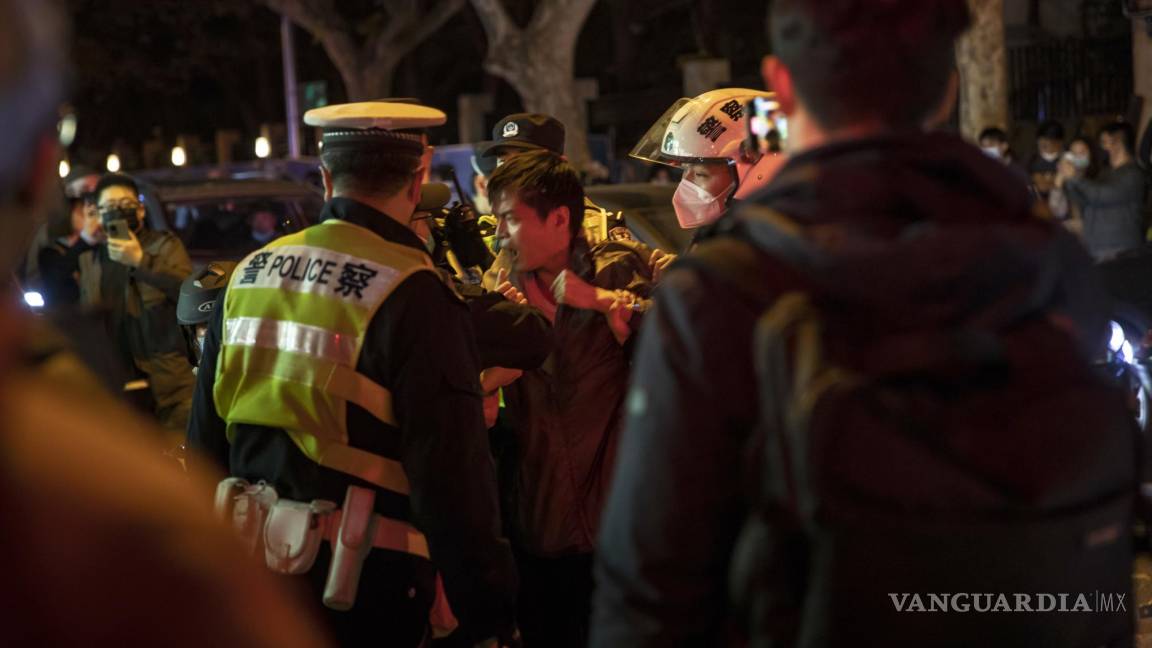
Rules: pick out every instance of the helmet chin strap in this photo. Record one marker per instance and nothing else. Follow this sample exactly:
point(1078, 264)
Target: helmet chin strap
point(735, 183)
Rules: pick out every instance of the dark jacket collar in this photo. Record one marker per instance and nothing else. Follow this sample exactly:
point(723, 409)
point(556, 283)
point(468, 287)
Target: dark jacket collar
point(357, 213)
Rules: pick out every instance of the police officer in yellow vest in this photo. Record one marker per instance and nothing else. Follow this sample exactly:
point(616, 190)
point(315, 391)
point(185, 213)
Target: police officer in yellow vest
point(339, 387)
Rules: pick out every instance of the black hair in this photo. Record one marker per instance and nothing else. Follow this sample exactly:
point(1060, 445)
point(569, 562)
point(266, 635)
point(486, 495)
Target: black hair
point(860, 60)
point(365, 170)
point(116, 180)
point(1093, 169)
point(993, 133)
point(1125, 131)
point(543, 181)
point(1050, 129)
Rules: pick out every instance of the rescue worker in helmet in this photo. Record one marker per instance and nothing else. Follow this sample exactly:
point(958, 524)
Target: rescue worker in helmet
point(707, 138)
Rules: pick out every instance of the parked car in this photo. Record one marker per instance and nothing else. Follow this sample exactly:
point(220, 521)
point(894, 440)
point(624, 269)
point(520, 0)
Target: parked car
point(226, 219)
point(647, 210)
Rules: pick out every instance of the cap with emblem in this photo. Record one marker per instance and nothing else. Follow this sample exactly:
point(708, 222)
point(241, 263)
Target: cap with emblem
point(526, 131)
point(198, 293)
point(386, 125)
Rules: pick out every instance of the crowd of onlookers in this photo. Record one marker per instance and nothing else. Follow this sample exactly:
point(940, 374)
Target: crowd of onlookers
point(1093, 184)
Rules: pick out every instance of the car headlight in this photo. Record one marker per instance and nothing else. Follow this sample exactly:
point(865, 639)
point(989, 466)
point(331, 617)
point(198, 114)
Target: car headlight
point(1127, 353)
point(1117, 340)
point(1119, 346)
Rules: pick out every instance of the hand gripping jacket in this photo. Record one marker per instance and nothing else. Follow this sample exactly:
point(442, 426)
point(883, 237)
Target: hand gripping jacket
point(295, 317)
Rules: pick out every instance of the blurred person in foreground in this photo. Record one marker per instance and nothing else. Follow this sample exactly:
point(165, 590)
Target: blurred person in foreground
point(103, 543)
point(876, 385)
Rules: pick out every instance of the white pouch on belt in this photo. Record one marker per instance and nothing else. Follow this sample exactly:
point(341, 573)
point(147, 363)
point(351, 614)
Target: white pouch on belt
point(354, 539)
point(226, 493)
point(293, 533)
point(244, 507)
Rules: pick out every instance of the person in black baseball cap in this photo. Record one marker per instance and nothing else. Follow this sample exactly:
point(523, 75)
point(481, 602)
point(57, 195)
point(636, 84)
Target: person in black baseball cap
point(198, 302)
point(525, 132)
point(522, 132)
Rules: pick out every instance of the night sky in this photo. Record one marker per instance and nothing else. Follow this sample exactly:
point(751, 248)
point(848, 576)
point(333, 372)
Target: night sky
point(164, 68)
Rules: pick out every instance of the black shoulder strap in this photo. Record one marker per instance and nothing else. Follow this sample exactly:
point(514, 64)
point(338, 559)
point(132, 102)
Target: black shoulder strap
point(732, 260)
point(735, 261)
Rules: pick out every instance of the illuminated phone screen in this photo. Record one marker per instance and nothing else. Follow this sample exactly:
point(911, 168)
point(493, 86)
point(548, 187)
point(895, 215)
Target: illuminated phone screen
point(768, 127)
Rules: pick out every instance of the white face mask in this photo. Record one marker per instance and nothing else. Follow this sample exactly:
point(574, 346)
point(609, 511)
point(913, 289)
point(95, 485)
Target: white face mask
point(263, 237)
point(1081, 162)
point(1050, 157)
point(695, 206)
point(991, 151)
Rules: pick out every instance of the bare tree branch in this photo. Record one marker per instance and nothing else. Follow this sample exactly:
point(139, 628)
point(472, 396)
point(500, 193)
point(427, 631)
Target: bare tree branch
point(538, 61)
point(367, 64)
point(320, 18)
point(497, 23)
point(556, 17)
point(316, 16)
point(408, 28)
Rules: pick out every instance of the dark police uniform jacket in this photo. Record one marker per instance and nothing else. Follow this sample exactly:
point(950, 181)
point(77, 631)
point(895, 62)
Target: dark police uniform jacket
point(420, 346)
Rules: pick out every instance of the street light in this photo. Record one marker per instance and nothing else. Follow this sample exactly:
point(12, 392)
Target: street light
point(64, 169)
point(179, 157)
point(113, 163)
point(263, 147)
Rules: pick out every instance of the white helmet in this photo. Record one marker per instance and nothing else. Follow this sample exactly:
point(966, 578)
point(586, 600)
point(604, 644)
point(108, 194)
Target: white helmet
point(712, 127)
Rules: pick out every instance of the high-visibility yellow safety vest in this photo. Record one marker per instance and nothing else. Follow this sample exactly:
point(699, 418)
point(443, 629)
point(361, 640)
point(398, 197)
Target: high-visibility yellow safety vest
point(295, 316)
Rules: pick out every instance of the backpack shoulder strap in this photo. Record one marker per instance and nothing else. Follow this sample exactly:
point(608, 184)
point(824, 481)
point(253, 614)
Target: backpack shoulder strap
point(730, 254)
point(735, 261)
point(787, 355)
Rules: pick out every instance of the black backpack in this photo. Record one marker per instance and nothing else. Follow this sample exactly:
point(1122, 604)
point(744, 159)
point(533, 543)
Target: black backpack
point(900, 485)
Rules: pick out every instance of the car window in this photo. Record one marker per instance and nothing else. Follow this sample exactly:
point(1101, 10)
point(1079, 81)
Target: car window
point(231, 228)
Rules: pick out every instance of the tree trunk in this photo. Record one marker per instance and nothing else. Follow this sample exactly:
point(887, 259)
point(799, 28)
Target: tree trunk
point(1142, 74)
point(982, 58)
point(367, 66)
point(368, 82)
point(538, 61)
point(623, 42)
point(544, 80)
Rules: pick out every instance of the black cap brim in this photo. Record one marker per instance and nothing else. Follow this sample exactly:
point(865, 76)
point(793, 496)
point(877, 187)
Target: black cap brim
point(492, 149)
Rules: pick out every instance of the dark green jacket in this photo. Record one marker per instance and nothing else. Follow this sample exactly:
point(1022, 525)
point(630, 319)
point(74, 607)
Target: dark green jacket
point(141, 307)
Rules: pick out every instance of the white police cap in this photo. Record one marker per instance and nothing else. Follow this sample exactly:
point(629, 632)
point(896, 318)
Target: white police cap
point(386, 115)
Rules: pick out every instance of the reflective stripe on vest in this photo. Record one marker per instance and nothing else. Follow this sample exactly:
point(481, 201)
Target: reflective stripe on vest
point(295, 317)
